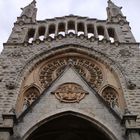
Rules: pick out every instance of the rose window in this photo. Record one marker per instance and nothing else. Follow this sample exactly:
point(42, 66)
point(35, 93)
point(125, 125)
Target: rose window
point(110, 96)
point(30, 96)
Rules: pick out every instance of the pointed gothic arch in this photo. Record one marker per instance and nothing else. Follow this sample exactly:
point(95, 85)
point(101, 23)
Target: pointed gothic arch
point(69, 51)
point(28, 96)
point(113, 97)
point(71, 125)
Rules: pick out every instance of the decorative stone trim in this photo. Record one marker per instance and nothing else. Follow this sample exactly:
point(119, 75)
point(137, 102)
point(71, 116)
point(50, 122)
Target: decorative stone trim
point(86, 68)
point(69, 93)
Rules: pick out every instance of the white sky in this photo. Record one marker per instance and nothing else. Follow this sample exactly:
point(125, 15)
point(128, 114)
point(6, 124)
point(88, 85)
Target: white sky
point(10, 10)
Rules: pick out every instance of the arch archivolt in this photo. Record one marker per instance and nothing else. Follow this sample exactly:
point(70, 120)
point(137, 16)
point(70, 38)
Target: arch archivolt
point(97, 70)
point(96, 122)
point(87, 68)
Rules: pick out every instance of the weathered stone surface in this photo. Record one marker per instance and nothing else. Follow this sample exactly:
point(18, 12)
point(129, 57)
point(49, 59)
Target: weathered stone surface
point(21, 60)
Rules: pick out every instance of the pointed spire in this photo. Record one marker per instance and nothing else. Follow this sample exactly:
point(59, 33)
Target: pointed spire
point(113, 11)
point(30, 11)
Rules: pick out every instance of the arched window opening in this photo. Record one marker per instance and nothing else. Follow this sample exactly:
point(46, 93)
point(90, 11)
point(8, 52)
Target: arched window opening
point(110, 95)
point(41, 33)
point(61, 29)
point(71, 27)
point(100, 31)
point(30, 96)
point(111, 33)
point(90, 30)
point(30, 37)
point(80, 29)
point(52, 30)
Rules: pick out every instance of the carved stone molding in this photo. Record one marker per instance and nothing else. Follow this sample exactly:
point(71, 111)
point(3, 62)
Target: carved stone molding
point(86, 68)
point(69, 93)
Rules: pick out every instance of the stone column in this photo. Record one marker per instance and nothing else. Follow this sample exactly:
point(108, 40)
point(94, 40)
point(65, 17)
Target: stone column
point(46, 31)
point(4, 135)
point(106, 34)
point(132, 131)
point(133, 135)
point(6, 130)
point(66, 28)
point(85, 30)
point(56, 29)
point(76, 32)
point(25, 35)
point(36, 35)
point(95, 31)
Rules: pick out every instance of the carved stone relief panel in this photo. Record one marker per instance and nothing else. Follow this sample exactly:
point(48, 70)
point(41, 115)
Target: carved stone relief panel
point(89, 70)
point(69, 93)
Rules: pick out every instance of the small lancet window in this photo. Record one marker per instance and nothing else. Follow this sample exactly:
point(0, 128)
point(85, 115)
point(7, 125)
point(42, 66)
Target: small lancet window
point(52, 30)
point(30, 36)
point(80, 29)
point(90, 30)
point(110, 95)
point(111, 33)
point(61, 29)
point(100, 30)
point(30, 96)
point(71, 27)
point(41, 33)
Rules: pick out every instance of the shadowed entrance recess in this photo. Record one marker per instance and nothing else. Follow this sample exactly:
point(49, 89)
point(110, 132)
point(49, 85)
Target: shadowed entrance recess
point(68, 127)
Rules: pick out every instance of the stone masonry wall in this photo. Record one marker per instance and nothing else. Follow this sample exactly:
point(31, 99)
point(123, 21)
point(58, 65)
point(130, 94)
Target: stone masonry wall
point(124, 58)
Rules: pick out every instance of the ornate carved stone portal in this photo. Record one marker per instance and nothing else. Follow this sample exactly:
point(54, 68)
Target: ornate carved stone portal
point(69, 93)
point(88, 69)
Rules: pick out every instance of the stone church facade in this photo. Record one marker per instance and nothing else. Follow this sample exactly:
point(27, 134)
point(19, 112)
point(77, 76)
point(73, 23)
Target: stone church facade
point(71, 77)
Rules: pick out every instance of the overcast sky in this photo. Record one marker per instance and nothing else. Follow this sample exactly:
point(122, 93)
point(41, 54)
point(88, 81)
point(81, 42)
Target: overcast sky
point(10, 10)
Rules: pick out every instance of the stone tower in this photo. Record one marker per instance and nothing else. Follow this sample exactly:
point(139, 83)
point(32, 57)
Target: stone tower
point(71, 77)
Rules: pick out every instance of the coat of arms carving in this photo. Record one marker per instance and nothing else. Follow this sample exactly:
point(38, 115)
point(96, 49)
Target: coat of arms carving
point(70, 93)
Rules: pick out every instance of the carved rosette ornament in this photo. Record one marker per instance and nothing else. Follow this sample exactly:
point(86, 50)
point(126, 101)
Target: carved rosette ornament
point(89, 70)
point(69, 93)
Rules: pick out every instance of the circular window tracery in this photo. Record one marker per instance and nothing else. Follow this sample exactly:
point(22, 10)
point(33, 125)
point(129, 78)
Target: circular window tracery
point(86, 68)
point(30, 96)
point(110, 95)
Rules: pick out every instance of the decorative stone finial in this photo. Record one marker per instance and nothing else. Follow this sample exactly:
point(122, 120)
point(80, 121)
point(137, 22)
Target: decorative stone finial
point(114, 12)
point(70, 62)
point(30, 11)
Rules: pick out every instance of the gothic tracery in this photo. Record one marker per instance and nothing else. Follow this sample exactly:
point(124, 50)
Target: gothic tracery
point(86, 68)
point(110, 95)
point(30, 96)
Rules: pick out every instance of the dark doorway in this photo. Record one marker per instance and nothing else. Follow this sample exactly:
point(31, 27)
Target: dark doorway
point(68, 127)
